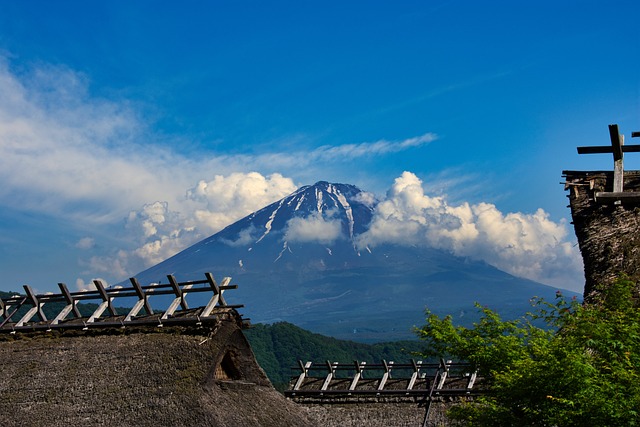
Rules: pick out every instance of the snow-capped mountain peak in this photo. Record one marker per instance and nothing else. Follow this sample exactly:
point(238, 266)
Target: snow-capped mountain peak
point(319, 209)
point(296, 260)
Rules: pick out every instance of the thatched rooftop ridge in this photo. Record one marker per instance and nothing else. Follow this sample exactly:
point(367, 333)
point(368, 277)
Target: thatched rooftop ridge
point(174, 376)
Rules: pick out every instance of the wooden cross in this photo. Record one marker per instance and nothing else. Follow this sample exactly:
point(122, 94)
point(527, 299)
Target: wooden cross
point(618, 149)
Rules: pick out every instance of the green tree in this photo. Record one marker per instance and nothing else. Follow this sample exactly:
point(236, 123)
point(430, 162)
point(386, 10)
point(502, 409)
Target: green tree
point(564, 364)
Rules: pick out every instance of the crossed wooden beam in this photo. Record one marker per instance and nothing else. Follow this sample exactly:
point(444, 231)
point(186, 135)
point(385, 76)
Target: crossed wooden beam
point(414, 379)
point(617, 147)
point(10, 307)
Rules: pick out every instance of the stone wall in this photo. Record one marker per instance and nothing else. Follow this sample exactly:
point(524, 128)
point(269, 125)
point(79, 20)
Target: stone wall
point(608, 234)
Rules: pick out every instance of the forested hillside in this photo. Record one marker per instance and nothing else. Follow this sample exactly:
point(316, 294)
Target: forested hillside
point(279, 346)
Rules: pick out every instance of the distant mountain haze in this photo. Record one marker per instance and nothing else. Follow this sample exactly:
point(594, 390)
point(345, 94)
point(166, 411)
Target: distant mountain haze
point(305, 259)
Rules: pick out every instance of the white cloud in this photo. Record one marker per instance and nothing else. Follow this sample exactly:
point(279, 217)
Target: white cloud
point(245, 237)
point(351, 151)
point(58, 147)
point(67, 154)
point(158, 232)
point(72, 155)
point(226, 199)
point(314, 228)
point(85, 243)
point(113, 265)
point(526, 245)
point(366, 198)
point(83, 286)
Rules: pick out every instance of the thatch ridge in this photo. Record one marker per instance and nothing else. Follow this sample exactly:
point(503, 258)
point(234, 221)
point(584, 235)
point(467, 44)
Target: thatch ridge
point(175, 377)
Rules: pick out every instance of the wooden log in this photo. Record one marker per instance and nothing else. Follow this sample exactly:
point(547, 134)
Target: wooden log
point(217, 297)
point(332, 369)
point(69, 299)
point(358, 374)
point(624, 197)
point(305, 369)
point(603, 149)
point(416, 372)
point(37, 308)
point(142, 295)
point(386, 375)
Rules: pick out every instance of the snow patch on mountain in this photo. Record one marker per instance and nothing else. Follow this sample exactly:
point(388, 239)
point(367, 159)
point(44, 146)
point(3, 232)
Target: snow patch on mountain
point(285, 247)
point(319, 200)
point(348, 212)
point(267, 226)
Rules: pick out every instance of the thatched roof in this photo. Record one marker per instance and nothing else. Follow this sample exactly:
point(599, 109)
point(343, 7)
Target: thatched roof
point(124, 377)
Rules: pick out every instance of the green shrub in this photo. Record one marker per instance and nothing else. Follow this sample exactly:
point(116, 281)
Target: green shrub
point(565, 364)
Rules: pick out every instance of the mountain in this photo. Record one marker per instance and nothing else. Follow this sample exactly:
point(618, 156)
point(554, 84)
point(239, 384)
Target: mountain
point(297, 260)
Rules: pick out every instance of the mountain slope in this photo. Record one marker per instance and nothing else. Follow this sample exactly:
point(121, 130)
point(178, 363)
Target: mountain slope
point(279, 346)
point(297, 260)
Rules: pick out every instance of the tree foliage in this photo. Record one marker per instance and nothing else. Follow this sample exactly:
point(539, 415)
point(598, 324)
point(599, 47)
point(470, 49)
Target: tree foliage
point(563, 364)
point(279, 346)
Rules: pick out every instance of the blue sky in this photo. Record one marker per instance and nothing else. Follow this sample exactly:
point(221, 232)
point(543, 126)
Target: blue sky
point(129, 130)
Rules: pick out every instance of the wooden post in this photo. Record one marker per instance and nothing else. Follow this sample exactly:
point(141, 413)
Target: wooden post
point(472, 380)
point(106, 303)
point(180, 297)
point(4, 309)
point(617, 195)
point(217, 294)
point(305, 369)
point(143, 301)
point(416, 373)
point(386, 375)
point(432, 389)
point(37, 308)
point(443, 376)
point(71, 306)
point(141, 294)
point(179, 293)
point(327, 380)
point(617, 141)
point(15, 310)
point(358, 375)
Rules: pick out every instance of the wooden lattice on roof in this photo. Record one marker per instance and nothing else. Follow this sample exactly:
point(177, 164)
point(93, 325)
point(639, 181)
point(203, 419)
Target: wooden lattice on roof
point(13, 317)
point(387, 378)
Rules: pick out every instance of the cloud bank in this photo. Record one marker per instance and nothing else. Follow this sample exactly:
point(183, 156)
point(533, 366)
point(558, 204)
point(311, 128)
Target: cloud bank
point(224, 200)
point(314, 228)
point(525, 245)
point(66, 153)
point(72, 155)
point(209, 207)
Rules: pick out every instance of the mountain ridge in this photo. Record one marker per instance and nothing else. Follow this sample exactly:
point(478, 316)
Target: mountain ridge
point(299, 260)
